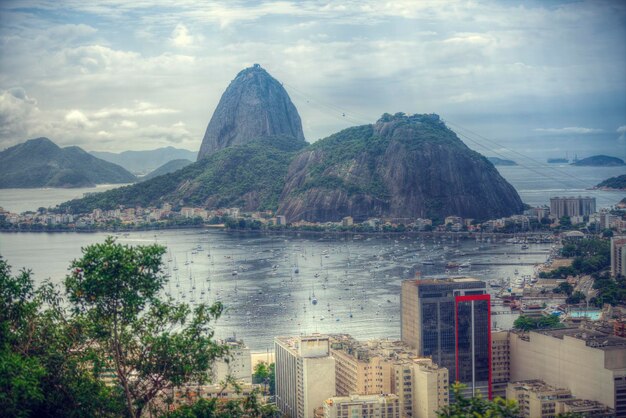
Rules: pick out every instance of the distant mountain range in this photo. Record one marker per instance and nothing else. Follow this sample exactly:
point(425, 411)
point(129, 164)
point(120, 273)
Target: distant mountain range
point(500, 161)
point(41, 163)
point(600, 161)
point(141, 162)
point(254, 156)
point(168, 167)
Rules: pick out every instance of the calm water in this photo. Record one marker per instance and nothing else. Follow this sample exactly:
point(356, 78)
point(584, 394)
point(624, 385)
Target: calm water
point(267, 297)
point(21, 200)
point(536, 184)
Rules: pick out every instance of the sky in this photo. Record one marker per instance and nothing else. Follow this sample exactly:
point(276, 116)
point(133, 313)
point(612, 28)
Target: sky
point(539, 79)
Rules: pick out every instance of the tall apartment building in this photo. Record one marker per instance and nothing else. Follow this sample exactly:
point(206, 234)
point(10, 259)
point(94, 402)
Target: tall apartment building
point(305, 374)
point(422, 386)
point(362, 406)
point(618, 255)
point(500, 362)
point(590, 363)
point(572, 206)
point(237, 364)
point(365, 368)
point(449, 321)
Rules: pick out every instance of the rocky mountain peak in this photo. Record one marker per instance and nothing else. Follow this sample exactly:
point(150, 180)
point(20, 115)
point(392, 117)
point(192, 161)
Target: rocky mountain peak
point(254, 105)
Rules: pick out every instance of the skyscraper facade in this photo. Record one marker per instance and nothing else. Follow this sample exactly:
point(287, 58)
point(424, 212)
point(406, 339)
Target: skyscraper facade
point(449, 321)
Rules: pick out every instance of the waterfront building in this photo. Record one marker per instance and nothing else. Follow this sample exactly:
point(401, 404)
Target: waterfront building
point(237, 364)
point(590, 363)
point(305, 374)
point(618, 255)
point(281, 220)
point(572, 206)
point(362, 406)
point(449, 321)
point(347, 221)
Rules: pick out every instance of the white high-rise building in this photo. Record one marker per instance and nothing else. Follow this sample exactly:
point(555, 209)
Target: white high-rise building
point(237, 364)
point(305, 374)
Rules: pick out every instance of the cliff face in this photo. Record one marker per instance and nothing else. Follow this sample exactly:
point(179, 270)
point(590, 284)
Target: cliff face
point(401, 167)
point(254, 105)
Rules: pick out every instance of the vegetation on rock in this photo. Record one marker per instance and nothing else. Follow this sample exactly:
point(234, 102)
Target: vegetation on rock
point(615, 183)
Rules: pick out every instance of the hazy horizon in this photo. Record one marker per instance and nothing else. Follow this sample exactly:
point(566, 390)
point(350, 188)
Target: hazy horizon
point(541, 80)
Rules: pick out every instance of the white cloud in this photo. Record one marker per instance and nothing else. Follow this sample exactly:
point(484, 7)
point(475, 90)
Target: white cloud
point(181, 37)
point(17, 113)
point(569, 130)
point(140, 108)
point(78, 119)
point(622, 131)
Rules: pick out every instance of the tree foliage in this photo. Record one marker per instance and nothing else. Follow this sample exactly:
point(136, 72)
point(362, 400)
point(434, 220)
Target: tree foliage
point(527, 323)
point(113, 348)
point(477, 406)
point(43, 371)
point(150, 343)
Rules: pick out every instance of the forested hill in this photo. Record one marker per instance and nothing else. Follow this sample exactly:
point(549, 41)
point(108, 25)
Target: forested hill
point(41, 163)
point(250, 176)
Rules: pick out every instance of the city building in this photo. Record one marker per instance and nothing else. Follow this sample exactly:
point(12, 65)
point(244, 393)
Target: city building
point(590, 363)
point(423, 387)
point(281, 220)
point(362, 406)
point(449, 321)
point(618, 255)
point(585, 408)
point(500, 362)
point(572, 206)
point(430, 388)
point(305, 374)
point(535, 398)
point(237, 364)
point(347, 221)
point(365, 368)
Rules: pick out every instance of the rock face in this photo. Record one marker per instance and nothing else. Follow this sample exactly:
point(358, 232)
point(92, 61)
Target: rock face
point(254, 105)
point(41, 163)
point(401, 167)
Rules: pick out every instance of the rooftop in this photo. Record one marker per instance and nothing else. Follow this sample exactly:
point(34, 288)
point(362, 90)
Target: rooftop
point(592, 338)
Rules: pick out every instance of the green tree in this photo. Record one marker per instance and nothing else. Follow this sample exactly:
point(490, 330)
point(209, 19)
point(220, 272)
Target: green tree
point(576, 297)
point(564, 287)
point(43, 371)
point(151, 344)
point(477, 406)
point(265, 373)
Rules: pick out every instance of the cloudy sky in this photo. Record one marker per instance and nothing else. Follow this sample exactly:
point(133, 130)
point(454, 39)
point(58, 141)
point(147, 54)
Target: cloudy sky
point(538, 78)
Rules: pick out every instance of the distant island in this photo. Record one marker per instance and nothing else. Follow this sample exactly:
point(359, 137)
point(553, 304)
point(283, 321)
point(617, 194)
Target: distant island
point(614, 183)
point(558, 161)
point(41, 163)
point(501, 161)
point(599, 161)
